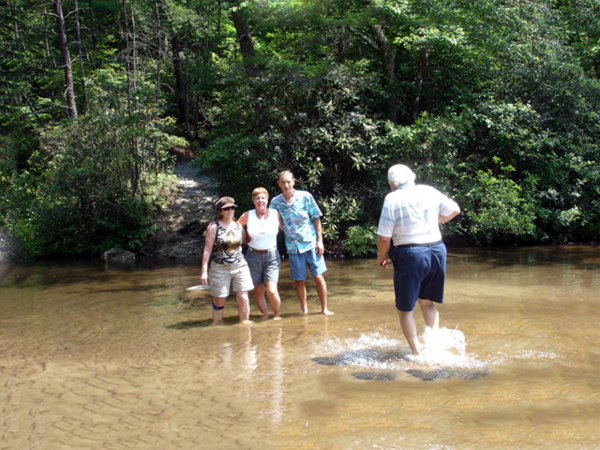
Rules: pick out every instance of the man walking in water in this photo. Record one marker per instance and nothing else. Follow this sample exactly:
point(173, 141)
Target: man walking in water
point(410, 217)
point(303, 238)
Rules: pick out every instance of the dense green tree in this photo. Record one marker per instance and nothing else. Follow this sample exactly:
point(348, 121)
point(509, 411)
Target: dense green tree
point(495, 102)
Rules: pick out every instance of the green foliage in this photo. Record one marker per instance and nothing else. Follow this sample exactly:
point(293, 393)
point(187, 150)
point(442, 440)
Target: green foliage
point(361, 240)
point(242, 164)
point(339, 210)
point(59, 222)
point(495, 103)
point(313, 124)
point(495, 210)
point(95, 182)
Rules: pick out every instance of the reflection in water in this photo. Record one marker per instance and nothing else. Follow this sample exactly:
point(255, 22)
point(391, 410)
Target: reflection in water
point(126, 359)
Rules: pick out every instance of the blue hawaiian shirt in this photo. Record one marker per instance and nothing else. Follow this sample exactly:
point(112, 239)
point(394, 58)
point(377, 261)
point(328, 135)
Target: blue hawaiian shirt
point(298, 217)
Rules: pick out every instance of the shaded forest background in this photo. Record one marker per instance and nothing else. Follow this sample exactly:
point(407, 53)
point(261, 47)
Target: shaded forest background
point(494, 102)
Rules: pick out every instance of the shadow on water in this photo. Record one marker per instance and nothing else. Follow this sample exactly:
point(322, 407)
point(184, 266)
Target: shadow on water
point(227, 321)
point(431, 375)
point(373, 356)
point(434, 375)
point(386, 357)
point(378, 376)
point(195, 324)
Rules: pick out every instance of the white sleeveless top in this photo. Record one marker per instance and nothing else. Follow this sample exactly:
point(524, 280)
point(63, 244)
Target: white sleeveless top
point(263, 233)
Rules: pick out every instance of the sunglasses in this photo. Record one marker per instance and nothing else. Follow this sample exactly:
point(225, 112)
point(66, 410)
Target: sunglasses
point(228, 208)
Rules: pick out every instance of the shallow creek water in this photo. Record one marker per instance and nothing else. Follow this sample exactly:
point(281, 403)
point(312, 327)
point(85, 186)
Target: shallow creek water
point(99, 358)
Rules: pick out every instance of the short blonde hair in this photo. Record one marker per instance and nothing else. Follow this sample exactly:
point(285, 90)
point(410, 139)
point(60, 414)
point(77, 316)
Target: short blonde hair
point(258, 191)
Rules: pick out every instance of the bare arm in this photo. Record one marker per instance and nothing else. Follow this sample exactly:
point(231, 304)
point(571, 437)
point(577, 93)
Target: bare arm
point(383, 247)
point(319, 229)
point(209, 240)
point(245, 236)
point(243, 221)
point(444, 219)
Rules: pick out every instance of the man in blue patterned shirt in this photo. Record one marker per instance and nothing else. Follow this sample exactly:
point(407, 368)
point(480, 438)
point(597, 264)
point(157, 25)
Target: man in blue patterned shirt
point(303, 238)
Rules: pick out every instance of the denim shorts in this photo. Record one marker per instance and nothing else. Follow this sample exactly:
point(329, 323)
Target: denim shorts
point(264, 267)
point(223, 277)
point(298, 262)
point(419, 273)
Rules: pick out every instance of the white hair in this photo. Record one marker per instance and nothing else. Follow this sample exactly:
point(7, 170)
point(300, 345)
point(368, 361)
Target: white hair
point(400, 174)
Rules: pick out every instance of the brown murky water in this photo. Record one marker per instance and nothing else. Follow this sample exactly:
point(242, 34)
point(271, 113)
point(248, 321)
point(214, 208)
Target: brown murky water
point(92, 358)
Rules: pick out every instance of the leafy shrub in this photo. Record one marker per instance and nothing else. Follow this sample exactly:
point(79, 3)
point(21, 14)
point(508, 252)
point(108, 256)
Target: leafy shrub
point(242, 164)
point(495, 209)
point(361, 240)
point(94, 183)
point(338, 210)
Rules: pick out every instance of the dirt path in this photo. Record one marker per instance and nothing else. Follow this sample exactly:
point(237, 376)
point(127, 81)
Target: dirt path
point(182, 223)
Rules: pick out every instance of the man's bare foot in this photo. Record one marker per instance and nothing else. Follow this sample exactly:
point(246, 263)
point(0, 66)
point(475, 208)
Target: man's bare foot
point(246, 322)
point(304, 312)
point(326, 312)
point(214, 324)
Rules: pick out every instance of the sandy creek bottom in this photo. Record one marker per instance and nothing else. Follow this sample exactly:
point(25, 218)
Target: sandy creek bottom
point(97, 358)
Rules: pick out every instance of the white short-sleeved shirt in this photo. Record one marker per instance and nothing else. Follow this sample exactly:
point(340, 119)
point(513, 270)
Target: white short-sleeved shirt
point(410, 214)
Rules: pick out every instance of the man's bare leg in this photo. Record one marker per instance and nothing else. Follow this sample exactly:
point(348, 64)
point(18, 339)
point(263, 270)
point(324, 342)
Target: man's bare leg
point(301, 292)
point(274, 299)
point(259, 293)
point(409, 328)
point(431, 314)
point(322, 293)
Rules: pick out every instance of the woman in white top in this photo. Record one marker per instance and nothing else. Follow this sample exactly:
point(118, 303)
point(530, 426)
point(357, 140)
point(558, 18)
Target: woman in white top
point(262, 226)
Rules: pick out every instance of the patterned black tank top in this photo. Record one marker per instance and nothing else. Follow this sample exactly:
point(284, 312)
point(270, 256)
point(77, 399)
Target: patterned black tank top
point(227, 248)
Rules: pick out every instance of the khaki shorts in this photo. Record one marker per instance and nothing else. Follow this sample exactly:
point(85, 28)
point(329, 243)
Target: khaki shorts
point(224, 276)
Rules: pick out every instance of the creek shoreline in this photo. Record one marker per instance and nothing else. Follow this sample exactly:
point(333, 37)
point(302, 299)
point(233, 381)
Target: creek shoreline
point(179, 237)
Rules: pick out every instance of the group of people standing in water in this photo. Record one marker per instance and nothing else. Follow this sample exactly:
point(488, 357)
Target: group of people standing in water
point(293, 211)
point(408, 235)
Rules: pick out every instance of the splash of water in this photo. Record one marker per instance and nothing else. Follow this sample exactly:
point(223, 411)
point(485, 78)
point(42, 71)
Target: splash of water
point(442, 347)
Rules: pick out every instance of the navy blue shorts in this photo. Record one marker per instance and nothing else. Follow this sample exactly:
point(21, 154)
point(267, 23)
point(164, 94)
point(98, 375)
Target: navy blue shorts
point(419, 272)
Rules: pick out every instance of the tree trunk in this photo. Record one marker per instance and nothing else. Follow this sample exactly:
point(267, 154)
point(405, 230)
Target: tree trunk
point(81, 57)
point(425, 101)
point(388, 59)
point(127, 52)
point(63, 46)
point(93, 28)
point(158, 11)
point(246, 44)
point(182, 98)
